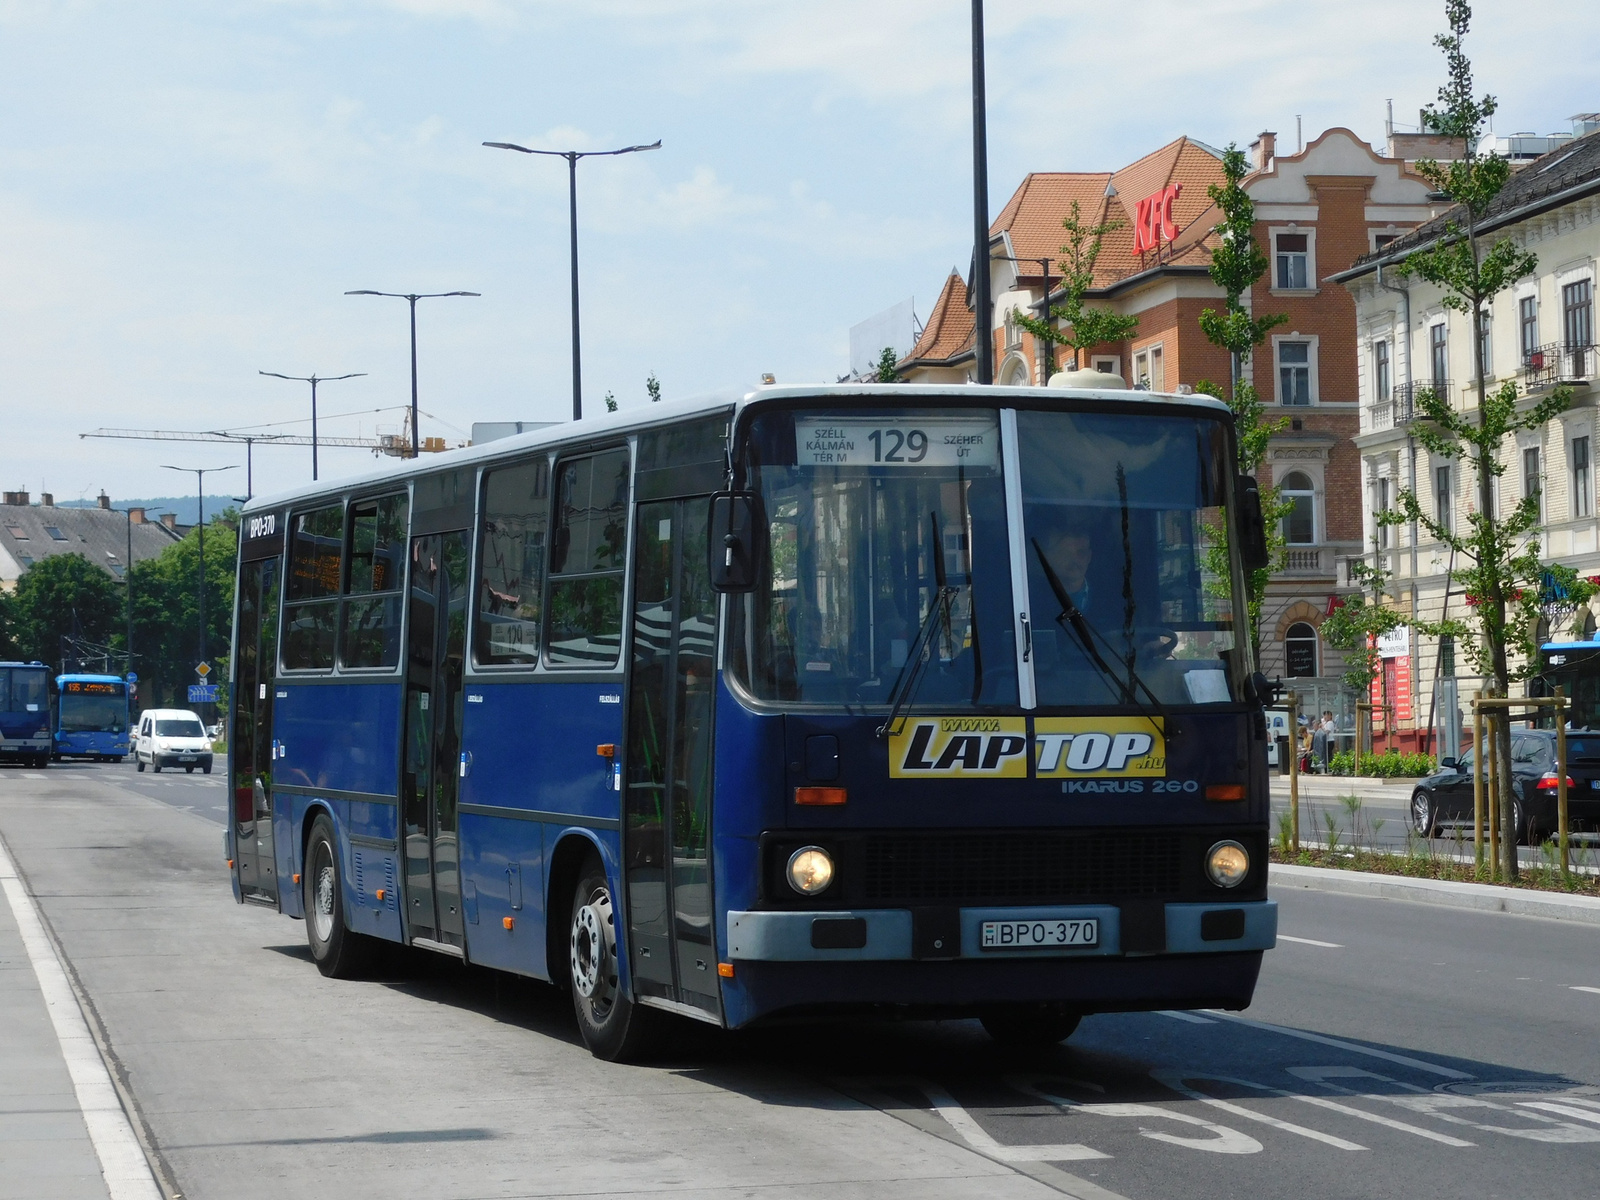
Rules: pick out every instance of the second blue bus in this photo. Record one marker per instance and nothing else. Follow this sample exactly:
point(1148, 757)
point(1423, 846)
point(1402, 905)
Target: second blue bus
point(91, 717)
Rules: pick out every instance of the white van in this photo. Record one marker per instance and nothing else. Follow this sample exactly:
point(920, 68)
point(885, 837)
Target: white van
point(172, 737)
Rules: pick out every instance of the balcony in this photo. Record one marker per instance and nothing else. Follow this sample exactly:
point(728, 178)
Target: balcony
point(1398, 411)
point(1558, 363)
point(1308, 561)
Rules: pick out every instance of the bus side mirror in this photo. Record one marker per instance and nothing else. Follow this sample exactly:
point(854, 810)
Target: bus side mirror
point(732, 541)
point(1252, 527)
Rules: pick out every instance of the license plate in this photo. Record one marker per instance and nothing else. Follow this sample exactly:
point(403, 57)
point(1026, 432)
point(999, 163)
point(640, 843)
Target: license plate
point(1034, 935)
point(1594, 785)
point(185, 758)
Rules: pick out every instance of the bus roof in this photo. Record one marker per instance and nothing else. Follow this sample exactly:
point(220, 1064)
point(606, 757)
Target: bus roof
point(82, 678)
point(22, 664)
point(671, 412)
point(1568, 647)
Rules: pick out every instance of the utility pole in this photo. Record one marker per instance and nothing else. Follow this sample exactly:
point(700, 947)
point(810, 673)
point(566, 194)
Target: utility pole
point(200, 528)
point(412, 297)
point(983, 336)
point(313, 380)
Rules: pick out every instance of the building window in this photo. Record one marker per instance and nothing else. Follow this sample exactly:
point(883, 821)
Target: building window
point(1444, 507)
point(1149, 370)
point(1486, 345)
point(1380, 371)
point(1293, 261)
point(1294, 373)
point(1380, 240)
point(1528, 327)
point(1013, 332)
point(1111, 366)
point(1300, 651)
point(55, 533)
point(1577, 317)
point(1530, 478)
point(1582, 500)
point(1438, 357)
point(1380, 505)
point(1447, 656)
point(1300, 522)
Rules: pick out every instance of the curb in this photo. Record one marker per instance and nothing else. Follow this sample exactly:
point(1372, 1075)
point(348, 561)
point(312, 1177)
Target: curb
point(1482, 897)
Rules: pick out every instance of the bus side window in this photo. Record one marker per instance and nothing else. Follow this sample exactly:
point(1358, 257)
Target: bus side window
point(511, 558)
point(311, 609)
point(369, 633)
point(588, 547)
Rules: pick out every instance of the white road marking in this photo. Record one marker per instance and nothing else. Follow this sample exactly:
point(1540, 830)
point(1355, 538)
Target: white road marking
point(122, 1162)
point(1566, 1110)
point(1403, 1060)
point(1183, 1016)
point(1284, 937)
point(1578, 987)
point(974, 1135)
point(1321, 1075)
point(1223, 1140)
point(1175, 1081)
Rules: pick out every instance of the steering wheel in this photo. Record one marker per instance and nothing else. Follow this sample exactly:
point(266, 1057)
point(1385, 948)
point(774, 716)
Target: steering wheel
point(1157, 642)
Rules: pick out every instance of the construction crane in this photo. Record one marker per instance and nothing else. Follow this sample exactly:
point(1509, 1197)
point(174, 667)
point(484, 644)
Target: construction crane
point(396, 445)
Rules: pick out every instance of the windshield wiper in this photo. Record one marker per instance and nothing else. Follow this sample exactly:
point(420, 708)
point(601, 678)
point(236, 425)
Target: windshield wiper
point(905, 683)
point(1071, 615)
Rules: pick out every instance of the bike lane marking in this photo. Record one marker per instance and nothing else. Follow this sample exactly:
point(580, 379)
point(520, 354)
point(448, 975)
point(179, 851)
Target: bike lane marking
point(1175, 1079)
point(1223, 1140)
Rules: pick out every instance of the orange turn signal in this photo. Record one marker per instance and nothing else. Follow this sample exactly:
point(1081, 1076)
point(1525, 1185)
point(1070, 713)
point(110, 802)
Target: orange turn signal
point(297, 877)
point(508, 922)
point(814, 795)
point(725, 970)
point(230, 864)
point(606, 750)
point(1224, 791)
point(379, 894)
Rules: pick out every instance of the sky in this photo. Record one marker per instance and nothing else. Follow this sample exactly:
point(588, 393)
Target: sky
point(189, 187)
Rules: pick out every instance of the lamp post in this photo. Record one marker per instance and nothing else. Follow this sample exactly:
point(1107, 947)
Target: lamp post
point(572, 157)
point(412, 298)
point(983, 335)
point(200, 526)
point(313, 380)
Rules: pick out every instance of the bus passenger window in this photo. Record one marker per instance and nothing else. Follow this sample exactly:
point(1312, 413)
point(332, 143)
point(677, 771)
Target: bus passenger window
point(310, 612)
point(516, 514)
point(587, 550)
point(369, 634)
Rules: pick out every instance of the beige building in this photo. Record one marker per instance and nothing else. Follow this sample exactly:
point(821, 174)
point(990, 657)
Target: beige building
point(1541, 335)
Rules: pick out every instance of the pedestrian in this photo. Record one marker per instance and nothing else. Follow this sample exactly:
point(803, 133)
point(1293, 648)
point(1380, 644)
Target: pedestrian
point(1320, 734)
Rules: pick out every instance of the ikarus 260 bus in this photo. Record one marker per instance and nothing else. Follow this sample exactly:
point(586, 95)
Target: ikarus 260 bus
point(903, 699)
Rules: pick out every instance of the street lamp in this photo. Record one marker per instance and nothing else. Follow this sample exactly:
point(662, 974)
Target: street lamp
point(413, 297)
point(200, 483)
point(983, 340)
point(572, 157)
point(313, 380)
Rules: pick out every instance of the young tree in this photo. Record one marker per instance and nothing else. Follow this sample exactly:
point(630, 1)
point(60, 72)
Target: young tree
point(1237, 261)
point(1072, 323)
point(611, 402)
point(1358, 623)
point(653, 386)
point(886, 366)
point(1503, 576)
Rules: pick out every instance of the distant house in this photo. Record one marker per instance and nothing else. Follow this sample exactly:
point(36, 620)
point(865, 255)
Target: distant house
point(30, 532)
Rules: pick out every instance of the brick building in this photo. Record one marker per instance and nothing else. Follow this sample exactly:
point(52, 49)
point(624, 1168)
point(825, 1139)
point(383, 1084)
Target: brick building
point(1317, 212)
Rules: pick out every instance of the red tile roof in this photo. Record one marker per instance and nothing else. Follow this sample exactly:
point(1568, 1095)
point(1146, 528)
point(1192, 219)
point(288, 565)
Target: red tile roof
point(948, 333)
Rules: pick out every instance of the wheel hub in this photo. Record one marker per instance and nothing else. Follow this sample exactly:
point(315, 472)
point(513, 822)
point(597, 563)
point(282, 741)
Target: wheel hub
point(324, 896)
point(593, 948)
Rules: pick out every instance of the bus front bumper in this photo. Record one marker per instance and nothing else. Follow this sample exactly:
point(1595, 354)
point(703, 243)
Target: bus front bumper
point(895, 934)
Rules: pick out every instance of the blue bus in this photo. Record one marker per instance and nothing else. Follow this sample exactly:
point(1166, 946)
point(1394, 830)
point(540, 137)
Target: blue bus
point(25, 713)
point(884, 698)
point(91, 717)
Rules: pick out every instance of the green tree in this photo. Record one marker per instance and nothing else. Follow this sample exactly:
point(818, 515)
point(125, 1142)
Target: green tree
point(60, 596)
point(1359, 622)
point(1073, 323)
point(653, 386)
point(166, 614)
point(1503, 576)
point(611, 402)
point(887, 372)
point(1237, 261)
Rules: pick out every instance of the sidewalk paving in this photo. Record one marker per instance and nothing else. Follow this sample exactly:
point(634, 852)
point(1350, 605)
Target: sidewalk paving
point(45, 1151)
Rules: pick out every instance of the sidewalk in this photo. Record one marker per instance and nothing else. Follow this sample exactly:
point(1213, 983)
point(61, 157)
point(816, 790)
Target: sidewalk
point(1396, 792)
point(45, 1149)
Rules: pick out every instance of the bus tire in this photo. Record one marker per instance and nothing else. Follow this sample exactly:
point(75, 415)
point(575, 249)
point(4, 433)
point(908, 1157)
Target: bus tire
point(1032, 1026)
point(338, 952)
point(613, 1026)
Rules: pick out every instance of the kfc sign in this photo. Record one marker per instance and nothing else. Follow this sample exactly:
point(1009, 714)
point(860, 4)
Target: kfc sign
point(1152, 219)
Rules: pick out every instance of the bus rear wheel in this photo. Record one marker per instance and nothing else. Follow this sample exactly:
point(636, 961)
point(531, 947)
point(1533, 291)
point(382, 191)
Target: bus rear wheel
point(613, 1026)
point(338, 952)
point(1029, 1025)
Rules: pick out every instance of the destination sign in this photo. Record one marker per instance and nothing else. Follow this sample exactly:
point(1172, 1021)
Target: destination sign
point(86, 687)
point(919, 440)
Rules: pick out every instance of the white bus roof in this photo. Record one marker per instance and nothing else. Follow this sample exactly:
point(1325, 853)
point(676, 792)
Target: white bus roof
point(670, 412)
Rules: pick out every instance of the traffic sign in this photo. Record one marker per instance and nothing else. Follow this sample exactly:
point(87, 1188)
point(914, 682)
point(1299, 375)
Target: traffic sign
point(202, 670)
point(132, 677)
point(202, 693)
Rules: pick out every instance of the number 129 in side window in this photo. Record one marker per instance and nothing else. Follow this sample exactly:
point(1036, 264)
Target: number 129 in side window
point(930, 440)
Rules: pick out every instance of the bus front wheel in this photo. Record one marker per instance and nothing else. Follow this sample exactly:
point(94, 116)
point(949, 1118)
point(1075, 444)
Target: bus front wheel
point(613, 1026)
point(339, 953)
point(1029, 1025)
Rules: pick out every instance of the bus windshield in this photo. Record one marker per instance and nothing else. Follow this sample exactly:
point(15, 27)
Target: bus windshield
point(24, 689)
point(99, 711)
point(1129, 589)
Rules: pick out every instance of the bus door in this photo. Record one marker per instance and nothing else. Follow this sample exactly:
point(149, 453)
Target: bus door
point(253, 676)
point(431, 775)
point(667, 830)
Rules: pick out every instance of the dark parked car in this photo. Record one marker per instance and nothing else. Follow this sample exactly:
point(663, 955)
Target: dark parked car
point(1443, 801)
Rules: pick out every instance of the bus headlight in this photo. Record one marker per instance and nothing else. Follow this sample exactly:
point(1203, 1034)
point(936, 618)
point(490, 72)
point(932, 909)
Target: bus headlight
point(810, 870)
point(1227, 863)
